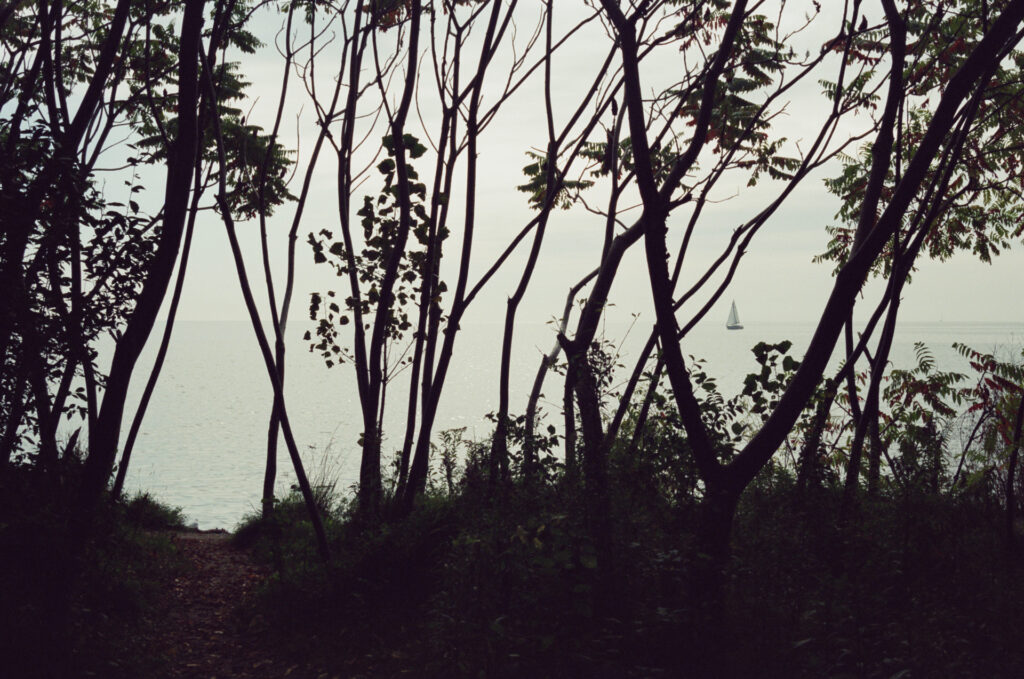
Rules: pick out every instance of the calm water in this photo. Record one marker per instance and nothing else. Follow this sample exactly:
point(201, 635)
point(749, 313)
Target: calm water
point(203, 442)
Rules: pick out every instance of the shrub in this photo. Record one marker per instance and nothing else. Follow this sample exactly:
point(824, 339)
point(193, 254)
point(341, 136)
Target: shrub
point(146, 512)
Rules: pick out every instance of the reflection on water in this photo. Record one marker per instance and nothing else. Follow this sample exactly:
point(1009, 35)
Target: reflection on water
point(203, 442)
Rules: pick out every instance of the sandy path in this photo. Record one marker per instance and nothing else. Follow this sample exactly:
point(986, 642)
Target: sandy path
point(206, 629)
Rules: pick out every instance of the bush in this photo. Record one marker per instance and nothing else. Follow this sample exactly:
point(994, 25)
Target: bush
point(146, 512)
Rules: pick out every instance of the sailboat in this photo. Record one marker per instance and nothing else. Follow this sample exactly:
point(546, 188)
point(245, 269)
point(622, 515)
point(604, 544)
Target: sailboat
point(734, 319)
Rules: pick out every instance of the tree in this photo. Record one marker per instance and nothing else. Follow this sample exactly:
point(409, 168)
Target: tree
point(913, 93)
point(728, 101)
point(972, 203)
point(955, 111)
point(50, 198)
point(393, 269)
point(79, 264)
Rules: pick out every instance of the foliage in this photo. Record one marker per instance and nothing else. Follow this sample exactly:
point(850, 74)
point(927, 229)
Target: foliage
point(507, 581)
point(146, 512)
point(976, 207)
point(537, 186)
point(381, 232)
point(731, 421)
point(250, 153)
point(599, 152)
point(738, 122)
point(85, 232)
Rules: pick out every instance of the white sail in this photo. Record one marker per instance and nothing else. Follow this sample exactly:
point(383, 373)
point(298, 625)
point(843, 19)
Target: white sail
point(734, 319)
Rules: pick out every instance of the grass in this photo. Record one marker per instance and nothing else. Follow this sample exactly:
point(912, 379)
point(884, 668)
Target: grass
point(144, 511)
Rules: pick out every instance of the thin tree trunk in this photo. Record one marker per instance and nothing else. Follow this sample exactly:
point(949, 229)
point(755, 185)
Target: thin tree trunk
point(179, 175)
point(645, 408)
point(499, 446)
point(370, 467)
point(957, 480)
point(547, 361)
point(18, 405)
point(572, 464)
point(878, 372)
point(273, 427)
point(367, 400)
point(809, 461)
point(852, 397)
point(261, 337)
point(869, 412)
point(1011, 477)
point(634, 380)
point(421, 463)
point(165, 342)
point(428, 317)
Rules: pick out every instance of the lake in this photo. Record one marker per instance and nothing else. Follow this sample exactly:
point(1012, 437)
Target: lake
point(203, 442)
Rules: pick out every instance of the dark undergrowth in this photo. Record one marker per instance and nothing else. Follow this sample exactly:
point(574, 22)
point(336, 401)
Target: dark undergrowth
point(111, 586)
point(505, 582)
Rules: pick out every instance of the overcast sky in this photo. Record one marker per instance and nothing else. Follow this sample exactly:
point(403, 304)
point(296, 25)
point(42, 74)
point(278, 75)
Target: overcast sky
point(777, 280)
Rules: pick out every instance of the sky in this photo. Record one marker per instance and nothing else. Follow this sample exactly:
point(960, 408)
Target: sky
point(776, 282)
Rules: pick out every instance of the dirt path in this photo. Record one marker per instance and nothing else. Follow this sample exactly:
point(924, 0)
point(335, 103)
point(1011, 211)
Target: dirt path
point(206, 629)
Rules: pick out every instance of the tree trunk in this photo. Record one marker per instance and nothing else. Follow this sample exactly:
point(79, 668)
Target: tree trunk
point(631, 385)
point(595, 472)
point(572, 464)
point(103, 446)
point(165, 341)
point(421, 459)
point(547, 361)
point(257, 325)
point(1011, 475)
point(809, 460)
point(499, 448)
point(16, 412)
point(878, 367)
point(273, 433)
point(707, 580)
point(645, 408)
point(179, 178)
point(280, 320)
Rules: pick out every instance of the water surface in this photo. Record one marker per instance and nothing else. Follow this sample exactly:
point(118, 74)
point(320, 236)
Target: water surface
point(203, 443)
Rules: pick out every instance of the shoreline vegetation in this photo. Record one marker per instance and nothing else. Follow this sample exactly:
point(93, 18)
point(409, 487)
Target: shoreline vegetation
point(919, 576)
point(503, 581)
